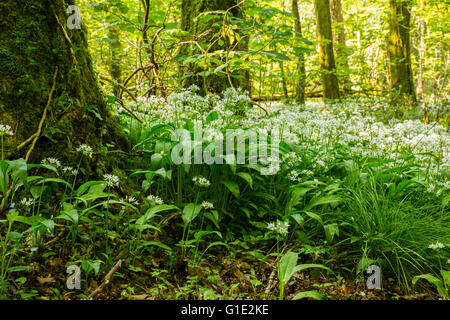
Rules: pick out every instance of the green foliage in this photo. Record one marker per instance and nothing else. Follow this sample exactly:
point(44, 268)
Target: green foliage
point(442, 285)
point(288, 267)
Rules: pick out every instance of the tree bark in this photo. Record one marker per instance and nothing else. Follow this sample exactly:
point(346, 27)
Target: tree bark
point(115, 69)
point(422, 50)
point(337, 19)
point(35, 41)
point(326, 54)
point(399, 49)
point(301, 72)
point(190, 9)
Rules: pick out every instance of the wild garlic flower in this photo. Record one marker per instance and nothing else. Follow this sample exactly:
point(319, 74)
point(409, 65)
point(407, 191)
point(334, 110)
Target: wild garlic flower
point(111, 180)
point(130, 200)
point(85, 150)
point(5, 130)
point(436, 245)
point(70, 170)
point(207, 205)
point(280, 227)
point(293, 176)
point(291, 159)
point(27, 202)
point(201, 181)
point(155, 199)
point(52, 161)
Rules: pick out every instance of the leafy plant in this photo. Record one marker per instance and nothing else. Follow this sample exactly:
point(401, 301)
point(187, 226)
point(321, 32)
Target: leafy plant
point(442, 285)
point(287, 267)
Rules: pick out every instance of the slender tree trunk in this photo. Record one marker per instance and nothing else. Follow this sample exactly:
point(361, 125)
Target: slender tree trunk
point(283, 80)
point(326, 54)
point(76, 112)
point(301, 72)
point(115, 69)
point(206, 34)
point(399, 49)
point(422, 48)
point(339, 41)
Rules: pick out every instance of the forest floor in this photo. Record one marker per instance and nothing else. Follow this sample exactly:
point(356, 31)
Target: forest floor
point(219, 277)
point(346, 193)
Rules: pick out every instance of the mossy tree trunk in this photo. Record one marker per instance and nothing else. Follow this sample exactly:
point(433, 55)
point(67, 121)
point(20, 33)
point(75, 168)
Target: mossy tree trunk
point(399, 49)
point(301, 72)
point(204, 33)
point(34, 42)
point(337, 19)
point(326, 54)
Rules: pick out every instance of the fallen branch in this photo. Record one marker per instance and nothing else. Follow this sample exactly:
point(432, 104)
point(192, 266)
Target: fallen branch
point(271, 277)
point(106, 279)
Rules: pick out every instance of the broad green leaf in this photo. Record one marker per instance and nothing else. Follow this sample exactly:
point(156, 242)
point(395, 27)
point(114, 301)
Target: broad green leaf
point(233, 187)
point(309, 294)
point(154, 210)
point(331, 230)
point(446, 276)
point(433, 280)
point(323, 200)
point(302, 267)
point(247, 177)
point(157, 244)
point(190, 212)
point(286, 267)
point(85, 186)
point(296, 196)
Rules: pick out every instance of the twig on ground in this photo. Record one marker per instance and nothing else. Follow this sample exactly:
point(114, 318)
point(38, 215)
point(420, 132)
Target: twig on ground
point(271, 277)
point(106, 279)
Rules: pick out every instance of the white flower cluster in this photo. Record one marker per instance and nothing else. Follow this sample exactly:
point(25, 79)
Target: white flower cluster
point(27, 202)
point(70, 170)
point(52, 161)
point(189, 105)
point(207, 205)
point(5, 130)
point(280, 227)
point(85, 150)
point(155, 199)
point(130, 200)
point(201, 181)
point(111, 180)
point(294, 177)
point(322, 136)
point(436, 246)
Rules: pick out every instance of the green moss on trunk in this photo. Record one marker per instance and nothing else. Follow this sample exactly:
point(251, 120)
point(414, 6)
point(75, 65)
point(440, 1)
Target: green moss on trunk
point(399, 49)
point(32, 45)
point(326, 54)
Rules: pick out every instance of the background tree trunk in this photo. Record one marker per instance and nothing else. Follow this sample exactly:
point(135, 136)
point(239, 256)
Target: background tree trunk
point(190, 9)
point(326, 54)
point(35, 41)
point(301, 72)
point(422, 50)
point(337, 19)
point(115, 69)
point(399, 48)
